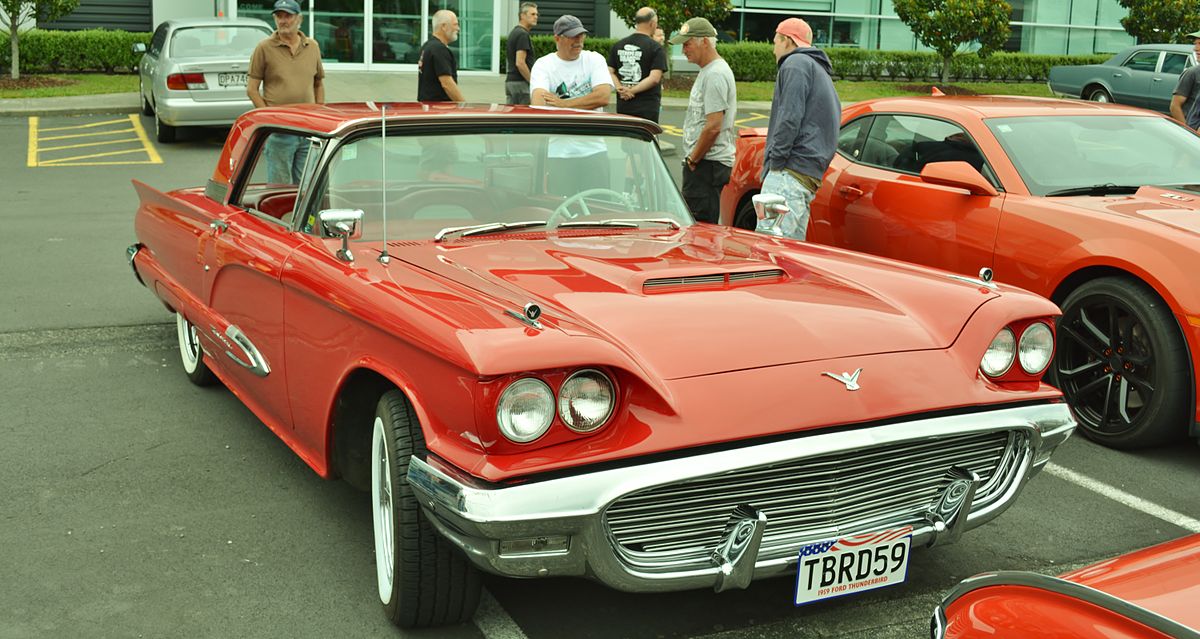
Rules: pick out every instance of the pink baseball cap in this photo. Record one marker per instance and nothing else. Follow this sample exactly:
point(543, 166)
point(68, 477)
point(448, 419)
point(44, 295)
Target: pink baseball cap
point(796, 29)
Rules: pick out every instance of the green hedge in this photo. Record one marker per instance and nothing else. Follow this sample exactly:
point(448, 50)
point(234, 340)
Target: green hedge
point(68, 51)
point(543, 45)
point(755, 61)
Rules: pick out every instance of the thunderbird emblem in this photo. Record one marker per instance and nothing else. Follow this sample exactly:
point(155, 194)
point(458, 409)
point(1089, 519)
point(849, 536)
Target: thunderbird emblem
point(849, 379)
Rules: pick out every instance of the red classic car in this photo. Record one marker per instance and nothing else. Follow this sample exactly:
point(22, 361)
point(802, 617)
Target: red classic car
point(504, 324)
point(1094, 206)
point(1148, 594)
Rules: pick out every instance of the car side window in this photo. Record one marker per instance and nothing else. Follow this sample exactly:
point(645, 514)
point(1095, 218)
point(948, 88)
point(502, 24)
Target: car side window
point(1174, 63)
point(907, 143)
point(1142, 61)
point(159, 38)
point(849, 138)
point(273, 183)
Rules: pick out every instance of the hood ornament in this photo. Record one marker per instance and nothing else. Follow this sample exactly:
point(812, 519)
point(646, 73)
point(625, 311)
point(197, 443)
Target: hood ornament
point(849, 379)
point(529, 315)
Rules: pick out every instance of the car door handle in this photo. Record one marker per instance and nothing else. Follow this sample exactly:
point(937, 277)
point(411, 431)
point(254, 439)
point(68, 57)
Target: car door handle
point(850, 192)
point(1158, 79)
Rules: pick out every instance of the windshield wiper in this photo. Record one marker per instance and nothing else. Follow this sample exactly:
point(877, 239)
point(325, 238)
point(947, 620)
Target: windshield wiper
point(624, 223)
point(479, 229)
point(1096, 189)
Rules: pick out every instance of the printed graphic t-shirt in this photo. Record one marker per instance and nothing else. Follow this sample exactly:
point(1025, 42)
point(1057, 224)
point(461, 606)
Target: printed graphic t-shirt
point(571, 79)
point(634, 58)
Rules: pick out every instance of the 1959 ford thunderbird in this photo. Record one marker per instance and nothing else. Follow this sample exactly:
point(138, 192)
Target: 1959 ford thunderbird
point(504, 323)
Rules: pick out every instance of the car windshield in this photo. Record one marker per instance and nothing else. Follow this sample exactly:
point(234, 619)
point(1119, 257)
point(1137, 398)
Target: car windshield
point(500, 182)
point(216, 42)
point(1058, 153)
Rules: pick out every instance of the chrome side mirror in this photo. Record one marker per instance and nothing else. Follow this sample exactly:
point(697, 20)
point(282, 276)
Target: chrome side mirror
point(341, 223)
point(139, 48)
point(769, 206)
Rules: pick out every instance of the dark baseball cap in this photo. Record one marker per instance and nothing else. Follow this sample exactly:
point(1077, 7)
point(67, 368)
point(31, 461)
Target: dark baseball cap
point(694, 28)
point(568, 26)
point(290, 6)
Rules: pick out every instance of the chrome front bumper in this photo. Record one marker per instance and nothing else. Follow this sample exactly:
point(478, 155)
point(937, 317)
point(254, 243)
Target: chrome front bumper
point(560, 527)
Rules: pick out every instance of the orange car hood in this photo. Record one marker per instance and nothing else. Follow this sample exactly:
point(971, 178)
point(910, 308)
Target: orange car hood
point(1176, 209)
point(1164, 579)
point(828, 304)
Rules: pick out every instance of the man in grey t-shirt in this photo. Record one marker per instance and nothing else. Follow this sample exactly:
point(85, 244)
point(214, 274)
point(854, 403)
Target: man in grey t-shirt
point(708, 136)
point(1187, 90)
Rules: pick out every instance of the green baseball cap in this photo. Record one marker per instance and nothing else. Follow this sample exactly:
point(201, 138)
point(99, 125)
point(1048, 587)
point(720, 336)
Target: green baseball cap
point(694, 28)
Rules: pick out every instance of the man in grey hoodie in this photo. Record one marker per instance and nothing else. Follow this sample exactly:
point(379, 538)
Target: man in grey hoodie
point(802, 133)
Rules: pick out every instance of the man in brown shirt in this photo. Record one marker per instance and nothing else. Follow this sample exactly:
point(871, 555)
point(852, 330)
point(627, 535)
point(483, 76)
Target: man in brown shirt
point(287, 66)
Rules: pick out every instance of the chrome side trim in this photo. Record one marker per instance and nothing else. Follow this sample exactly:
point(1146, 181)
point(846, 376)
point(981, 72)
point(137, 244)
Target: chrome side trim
point(938, 627)
point(254, 362)
point(475, 516)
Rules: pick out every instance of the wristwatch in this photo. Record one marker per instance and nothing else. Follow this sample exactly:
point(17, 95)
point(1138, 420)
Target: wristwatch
point(689, 163)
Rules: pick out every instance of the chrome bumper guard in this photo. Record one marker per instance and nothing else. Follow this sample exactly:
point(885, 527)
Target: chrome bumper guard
point(130, 254)
point(559, 527)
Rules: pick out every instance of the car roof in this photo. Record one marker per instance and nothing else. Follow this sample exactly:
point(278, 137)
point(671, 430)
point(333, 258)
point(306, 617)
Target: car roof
point(179, 23)
point(997, 106)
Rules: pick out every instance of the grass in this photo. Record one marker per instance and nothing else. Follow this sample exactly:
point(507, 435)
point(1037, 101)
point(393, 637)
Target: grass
point(855, 91)
point(61, 85)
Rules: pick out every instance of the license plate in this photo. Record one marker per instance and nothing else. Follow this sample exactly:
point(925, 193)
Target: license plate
point(231, 79)
point(851, 565)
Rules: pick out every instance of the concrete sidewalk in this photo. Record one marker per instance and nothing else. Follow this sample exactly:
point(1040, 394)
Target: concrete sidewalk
point(340, 86)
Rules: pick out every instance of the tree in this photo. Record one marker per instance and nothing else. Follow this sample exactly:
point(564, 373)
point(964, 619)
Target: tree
point(14, 13)
point(946, 25)
point(1158, 21)
point(672, 15)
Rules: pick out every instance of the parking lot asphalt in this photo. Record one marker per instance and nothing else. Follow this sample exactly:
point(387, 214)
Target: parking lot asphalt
point(140, 505)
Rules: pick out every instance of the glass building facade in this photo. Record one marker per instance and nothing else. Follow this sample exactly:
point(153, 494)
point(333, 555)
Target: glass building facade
point(367, 34)
point(1060, 27)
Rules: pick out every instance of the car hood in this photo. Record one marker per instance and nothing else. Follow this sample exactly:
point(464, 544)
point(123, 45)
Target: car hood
point(1177, 209)
point(1164, 579)
point(709, 299)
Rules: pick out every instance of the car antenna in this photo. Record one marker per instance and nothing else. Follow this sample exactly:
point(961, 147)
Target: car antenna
point(384, 258)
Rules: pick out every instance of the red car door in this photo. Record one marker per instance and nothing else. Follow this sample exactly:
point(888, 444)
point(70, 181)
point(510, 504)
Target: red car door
point(879, 204)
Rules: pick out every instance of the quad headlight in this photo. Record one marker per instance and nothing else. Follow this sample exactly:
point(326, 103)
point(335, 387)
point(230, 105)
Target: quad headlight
point(1000, 354)
point(586, 400)
point(1036, 348)
point(525, 410)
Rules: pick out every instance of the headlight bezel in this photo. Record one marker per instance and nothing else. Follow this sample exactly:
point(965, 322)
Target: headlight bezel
point(562, 402)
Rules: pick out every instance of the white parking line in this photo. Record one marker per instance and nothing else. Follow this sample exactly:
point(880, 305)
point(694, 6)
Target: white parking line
point(493, 621)
point(1116, 494)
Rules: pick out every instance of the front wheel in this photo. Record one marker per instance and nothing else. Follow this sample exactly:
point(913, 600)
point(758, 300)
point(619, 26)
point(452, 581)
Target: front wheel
point(745, 217)
point(423, 581)
point(1122, 364)
point(191, 354)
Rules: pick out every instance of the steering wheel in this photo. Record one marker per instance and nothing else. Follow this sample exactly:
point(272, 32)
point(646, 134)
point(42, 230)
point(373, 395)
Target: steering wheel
point(563, 212)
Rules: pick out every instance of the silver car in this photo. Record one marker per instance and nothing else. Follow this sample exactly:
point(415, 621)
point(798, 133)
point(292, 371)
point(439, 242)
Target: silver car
point(1142, 76)
point(194, 73)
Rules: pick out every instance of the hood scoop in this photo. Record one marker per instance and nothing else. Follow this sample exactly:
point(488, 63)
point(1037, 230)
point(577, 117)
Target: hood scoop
point(710, 281)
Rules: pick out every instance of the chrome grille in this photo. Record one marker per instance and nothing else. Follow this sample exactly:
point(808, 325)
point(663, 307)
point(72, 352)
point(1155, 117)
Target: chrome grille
point(677, 526)
point(756, 275)
point(713, 281)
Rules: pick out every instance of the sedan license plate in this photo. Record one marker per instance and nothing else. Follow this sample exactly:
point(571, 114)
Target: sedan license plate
point(851, 565)
point(231, 79)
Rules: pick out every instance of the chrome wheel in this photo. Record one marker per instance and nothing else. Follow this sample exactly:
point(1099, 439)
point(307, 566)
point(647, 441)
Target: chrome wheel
point(382, 513)
point(191, 354)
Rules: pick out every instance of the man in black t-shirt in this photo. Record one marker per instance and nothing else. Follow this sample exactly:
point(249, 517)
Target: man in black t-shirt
point(520, 55)
point(637, 64)
point(437, 68)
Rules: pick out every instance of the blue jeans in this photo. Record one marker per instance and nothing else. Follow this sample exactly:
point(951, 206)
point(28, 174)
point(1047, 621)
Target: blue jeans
point(286, 155)
point(794, 223)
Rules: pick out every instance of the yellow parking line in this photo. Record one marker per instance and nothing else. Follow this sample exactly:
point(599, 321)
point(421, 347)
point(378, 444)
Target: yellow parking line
point(33, 142)
point(88, 157)
point(86, 135)
point(86, 144)
point(141, 134)
point(84, 126)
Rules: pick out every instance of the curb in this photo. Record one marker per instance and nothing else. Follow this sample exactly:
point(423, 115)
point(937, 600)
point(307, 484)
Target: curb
point(107, 103)
point(67, 110)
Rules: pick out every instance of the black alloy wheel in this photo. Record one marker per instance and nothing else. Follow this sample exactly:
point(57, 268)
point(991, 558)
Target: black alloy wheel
point(1122, 364)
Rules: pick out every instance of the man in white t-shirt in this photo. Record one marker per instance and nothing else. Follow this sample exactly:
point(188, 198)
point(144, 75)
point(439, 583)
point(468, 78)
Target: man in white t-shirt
point(577, 79)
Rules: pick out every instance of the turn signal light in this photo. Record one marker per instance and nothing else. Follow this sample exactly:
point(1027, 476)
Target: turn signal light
point(186, 81)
